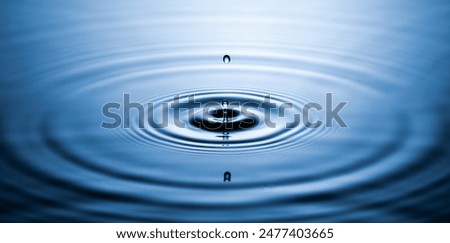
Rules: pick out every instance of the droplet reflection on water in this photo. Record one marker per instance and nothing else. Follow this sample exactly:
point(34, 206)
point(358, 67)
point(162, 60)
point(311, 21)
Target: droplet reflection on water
point(227, 176)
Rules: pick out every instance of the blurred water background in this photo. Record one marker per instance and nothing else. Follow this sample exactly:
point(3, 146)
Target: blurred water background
point(61, 61)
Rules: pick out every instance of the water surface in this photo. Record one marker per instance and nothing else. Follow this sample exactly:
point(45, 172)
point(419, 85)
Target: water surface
point(61, 61)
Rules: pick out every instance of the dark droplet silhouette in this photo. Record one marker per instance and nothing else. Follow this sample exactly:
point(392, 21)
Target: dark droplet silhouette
point(226, 59)
point(227, 176)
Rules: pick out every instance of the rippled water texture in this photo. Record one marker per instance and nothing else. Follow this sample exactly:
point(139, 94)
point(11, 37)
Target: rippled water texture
point(61, 61)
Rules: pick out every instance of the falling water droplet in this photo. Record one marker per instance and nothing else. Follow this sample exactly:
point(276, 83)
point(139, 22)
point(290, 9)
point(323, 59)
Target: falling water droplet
point(225, 104)
point(226, 59)
point(227, 176)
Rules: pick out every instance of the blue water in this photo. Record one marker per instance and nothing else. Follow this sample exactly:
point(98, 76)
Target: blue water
point(61, 61)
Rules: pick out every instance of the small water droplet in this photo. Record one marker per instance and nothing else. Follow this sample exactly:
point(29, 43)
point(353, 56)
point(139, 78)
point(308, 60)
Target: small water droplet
point(227, 176)
point(226, 59)
point(225, 104)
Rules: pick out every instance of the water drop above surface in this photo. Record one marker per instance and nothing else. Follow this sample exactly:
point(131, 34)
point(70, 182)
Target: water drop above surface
point(226, 59)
